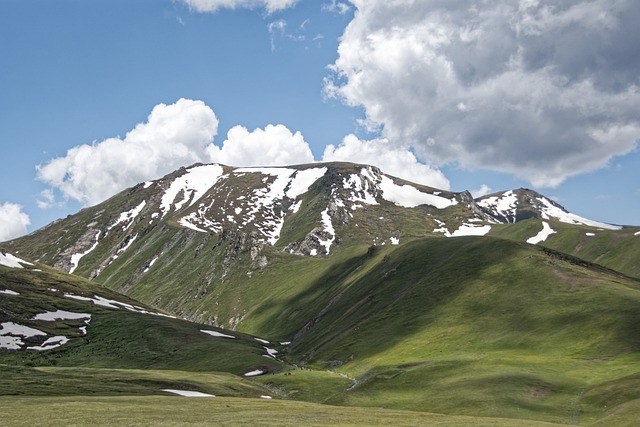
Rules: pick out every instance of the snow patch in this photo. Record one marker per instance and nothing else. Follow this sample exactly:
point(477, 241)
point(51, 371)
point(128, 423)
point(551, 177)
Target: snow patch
point(302, 180)
point(551, 211)
point(75, 258)
point(9, 292)
point(296, 207)
point(271, 352)
point(394, 240)
point(11, 328)
point(254, 373)
point(261, 340)
point(187, 393)
point(471, 230)
point(265, 397)
point(504, 205)
point(590, 234)
point(216, 334)
point(328, 227)
point(193, 185)
point(184, 221)
point(12, 261)
point(542, 235)
point(128, 217)
point(50, 343)
point(51, 316)
point(408, 196)
point(153, 261)
point(636, 233)
point(108, 303)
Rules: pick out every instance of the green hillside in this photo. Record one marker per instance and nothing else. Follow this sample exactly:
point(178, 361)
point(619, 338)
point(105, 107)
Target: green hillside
point(105, 333)
point(476, 326)
point(614, 249)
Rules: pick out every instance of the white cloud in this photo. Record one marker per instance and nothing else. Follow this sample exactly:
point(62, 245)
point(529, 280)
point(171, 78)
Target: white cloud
point(337, 7)
point(271, 146)
point(391, 159)
point(276, 29)
point(47, 199)
point(482, 191)
point(537, 88)
point(173, 136)
point(213, 5)
point(13, 221)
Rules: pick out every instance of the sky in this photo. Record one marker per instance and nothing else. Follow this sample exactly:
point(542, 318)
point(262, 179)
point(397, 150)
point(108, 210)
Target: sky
point(483, 96)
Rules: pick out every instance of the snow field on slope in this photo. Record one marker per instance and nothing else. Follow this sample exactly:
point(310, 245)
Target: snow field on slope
point(9, 292)
point(542, 235)
point(12, 334)
point(75, 258)
point(328, 227)
point(463, 230)
point(197, 181)
point(408, 196)
point(12, 261)
point(127, 217)
point(550, 211)
point(51, 316)
point(261, 209)
point(108, 303)
point(505, 205)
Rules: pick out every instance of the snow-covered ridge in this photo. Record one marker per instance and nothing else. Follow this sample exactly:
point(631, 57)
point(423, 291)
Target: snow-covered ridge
point(369, 185)
point(261, 209)
point(409, 197)
point(550, 211)
point(504, 205)
point(192, 185)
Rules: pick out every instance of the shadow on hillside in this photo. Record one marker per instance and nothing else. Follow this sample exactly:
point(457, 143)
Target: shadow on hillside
point(348, 314)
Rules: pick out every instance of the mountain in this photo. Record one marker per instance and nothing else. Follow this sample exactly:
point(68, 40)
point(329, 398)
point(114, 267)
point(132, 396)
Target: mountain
point(391, 294)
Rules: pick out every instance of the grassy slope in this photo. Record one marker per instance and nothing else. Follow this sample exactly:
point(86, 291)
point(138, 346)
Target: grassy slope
point(116, 339)
point(615, 249)
point(470, 326)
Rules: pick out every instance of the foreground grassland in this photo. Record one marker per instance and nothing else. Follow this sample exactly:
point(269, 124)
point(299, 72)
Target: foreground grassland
point(178, 411)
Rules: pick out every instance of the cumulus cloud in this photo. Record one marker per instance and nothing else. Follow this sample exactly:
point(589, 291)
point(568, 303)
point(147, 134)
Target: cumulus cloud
point(13, 221)
point(173, 136)
point(271, 146)
point(482, 191)
point(391, 159)
point(537, 88)
point(213, 5)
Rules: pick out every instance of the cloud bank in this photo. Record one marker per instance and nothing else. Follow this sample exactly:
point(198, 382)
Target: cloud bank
point(537, 88)
point(174, 135)
point(214, 5)
point(13, 221)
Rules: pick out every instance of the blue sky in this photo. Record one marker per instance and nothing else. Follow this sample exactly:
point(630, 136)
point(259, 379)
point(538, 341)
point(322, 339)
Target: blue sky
point(434, 92)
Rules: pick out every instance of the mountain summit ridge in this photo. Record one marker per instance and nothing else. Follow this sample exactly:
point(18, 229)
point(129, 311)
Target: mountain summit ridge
point(261, 201)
